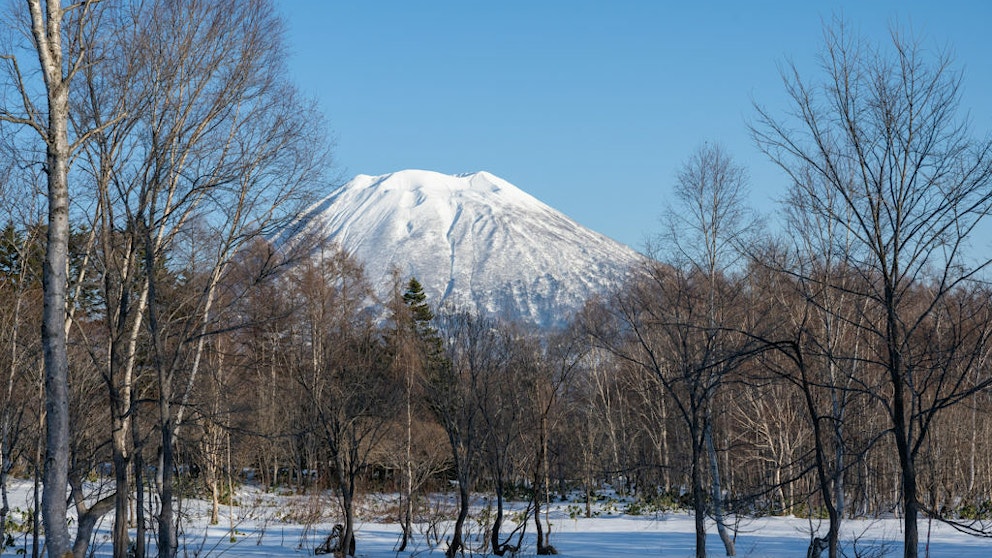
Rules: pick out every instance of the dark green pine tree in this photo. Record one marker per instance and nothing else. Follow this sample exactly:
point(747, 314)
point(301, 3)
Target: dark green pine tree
point(416, 300)
point(423, 324)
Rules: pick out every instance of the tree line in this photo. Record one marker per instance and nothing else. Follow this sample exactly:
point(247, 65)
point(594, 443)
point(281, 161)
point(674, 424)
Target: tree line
point(837, 370)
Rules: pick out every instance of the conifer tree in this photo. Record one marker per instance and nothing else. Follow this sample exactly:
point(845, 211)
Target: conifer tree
point(423, 320)
point(416, 300)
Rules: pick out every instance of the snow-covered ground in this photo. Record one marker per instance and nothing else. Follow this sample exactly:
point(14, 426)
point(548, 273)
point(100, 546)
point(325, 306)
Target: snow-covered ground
point(267, 524)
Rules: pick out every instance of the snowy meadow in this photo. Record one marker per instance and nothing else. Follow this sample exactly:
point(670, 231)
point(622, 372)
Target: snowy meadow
point(273, 523)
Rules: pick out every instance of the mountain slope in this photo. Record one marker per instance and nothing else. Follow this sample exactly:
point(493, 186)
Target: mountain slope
point(473, 240)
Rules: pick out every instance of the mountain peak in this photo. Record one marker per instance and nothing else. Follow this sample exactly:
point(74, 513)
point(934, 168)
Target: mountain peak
point(474, 241)
point(435, 183)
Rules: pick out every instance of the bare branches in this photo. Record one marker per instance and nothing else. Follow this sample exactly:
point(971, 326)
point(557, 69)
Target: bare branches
point(889, 185)
point(32, 118)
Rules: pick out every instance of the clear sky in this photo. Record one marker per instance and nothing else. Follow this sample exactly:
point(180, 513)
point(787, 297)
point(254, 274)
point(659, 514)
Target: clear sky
point(590, 106)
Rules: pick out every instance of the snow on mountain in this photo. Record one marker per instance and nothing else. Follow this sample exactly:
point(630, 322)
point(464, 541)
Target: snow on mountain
point(473, 240)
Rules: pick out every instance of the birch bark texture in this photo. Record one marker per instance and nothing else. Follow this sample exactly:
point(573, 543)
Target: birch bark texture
point(57, 70)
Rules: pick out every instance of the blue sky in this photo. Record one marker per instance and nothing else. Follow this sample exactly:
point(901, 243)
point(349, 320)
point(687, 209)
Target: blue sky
point(589, 106)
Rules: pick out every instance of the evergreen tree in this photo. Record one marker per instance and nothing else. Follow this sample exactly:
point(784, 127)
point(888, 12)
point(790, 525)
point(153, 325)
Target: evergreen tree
point(416, 300)
point(423, 319)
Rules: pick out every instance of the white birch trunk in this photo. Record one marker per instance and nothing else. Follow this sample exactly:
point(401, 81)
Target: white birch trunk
point(46, 30)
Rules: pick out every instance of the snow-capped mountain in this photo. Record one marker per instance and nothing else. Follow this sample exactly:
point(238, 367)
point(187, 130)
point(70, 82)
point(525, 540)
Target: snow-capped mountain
point(473, 240)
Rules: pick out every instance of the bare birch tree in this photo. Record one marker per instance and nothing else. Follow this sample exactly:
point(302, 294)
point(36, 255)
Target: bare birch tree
point(707, 230)
point(200, 149)
point(680, 322)
point(58, 36)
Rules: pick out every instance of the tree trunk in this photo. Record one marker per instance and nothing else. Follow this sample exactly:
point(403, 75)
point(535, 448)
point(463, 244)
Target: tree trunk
point(214, 496)
point(119, 534)
point(494, 541)
point(543, 534)
point(46, 31)
point(698, 496)
point(911, 535)
point(974, 451)
point(348, 538)
point(53, 338)
point(167, 534)
point(666, 467)
point(86, 523)
point(139, 491)
point(122, 414)
point(456, 537)
point(4, 503)
point(907, 478)
point(167, 539)
point(537, 521)
point(407, 517)
point(837, 514)
point(717, 492)
point(36, 519)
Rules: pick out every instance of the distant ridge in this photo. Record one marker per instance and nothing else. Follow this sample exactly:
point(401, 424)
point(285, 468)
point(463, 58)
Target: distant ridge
point(473, 240)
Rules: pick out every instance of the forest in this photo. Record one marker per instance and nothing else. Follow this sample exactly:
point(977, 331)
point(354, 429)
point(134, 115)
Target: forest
point(836, 368)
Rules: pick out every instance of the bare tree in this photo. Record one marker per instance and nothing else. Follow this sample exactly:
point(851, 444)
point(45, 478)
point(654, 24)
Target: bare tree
point(650, 325)
point(409, 359)
point(453, 389)
point(820, 336)
point(878, 149)
point(506, 417)
point(345, 373)
point(590, 406)
point(557, 360)
point(814, 364)
point(707, 232)
point(199, 149)
point(58, 35)
point(683, 323)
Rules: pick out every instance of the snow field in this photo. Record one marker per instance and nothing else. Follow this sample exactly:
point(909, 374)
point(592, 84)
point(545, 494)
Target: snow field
point(283, 524)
